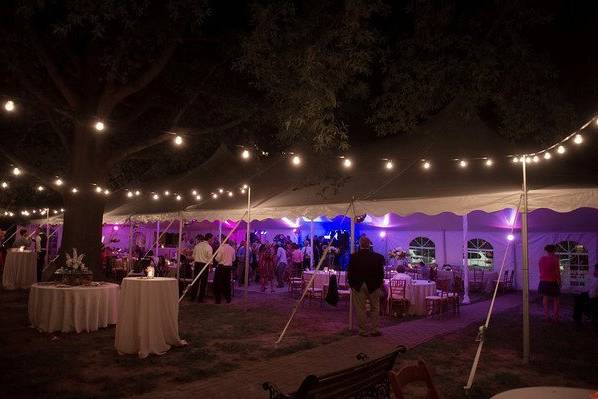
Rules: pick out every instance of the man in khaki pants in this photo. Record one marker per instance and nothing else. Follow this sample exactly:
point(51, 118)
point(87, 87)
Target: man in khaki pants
point(366, 276)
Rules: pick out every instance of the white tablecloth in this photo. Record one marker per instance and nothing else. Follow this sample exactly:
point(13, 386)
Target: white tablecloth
point(322, 277)
point(547, 393)
point(20, 270)
point(416, 293)
point(148, 316)
point(79, 308)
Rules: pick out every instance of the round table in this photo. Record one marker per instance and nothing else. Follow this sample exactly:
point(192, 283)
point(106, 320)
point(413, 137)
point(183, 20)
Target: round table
point(148, 316)
point(58, 307)
point(20, 269)
point(416, 292)
point(548, 393)
point(323, 278)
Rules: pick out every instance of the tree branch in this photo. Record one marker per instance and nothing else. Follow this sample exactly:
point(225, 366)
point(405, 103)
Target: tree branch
point(121, 156)
point(28, 168)
point(112, 96)
point(44, 58)
point(63, 140)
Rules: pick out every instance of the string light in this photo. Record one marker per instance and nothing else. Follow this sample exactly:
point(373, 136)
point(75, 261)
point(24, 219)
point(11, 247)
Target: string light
point(426, 165)
point(463, 163)
point(245, 187)
point(9, 106)
point(98, 189)
point(389, 165)
point(245, 154)
point(99, 126)
point(347, 163)
point(129, 194)
point(178, 197)
point(547, 155)
point(214, 196)
point(536, 159)
point(106, 192)
point(515, 160)
point(178, 140)
point(4, 185)
point(74, 190)
point(220, 190)
point(62, 210)
point(137, 193)
point(230, 193)
point(58, 182)
point(40, 188)
point(578, 139)
point(243, 191)
point(528, 160)
point(166, 193)
point(198, 197)
point(561, 149)
point(193, 192)
point(296, 160)
point(155, 197)
point(522, 159)
point(16, 171)
point(489, 162)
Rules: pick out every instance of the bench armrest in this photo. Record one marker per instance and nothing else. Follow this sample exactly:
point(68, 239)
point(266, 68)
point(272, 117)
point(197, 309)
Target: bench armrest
point(274, 392)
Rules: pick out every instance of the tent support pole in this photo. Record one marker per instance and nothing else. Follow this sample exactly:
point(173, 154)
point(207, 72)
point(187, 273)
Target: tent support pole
point(311, 236)
point(466, 299)
point(178, 252)
point(219, 230)
point(47, 255)
point(130, 241)
point(444, 261)
point(352, 244)
point(525, 267)
point(247, 246)
point(157, 238)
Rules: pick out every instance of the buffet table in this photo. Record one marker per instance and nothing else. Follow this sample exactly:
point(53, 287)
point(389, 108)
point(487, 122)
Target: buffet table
point(20, 269)
point(58, 307)
point(148, 316)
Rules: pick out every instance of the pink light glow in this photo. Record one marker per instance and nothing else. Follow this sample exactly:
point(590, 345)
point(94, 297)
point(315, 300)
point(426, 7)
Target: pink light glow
point(382, 234)
point(510, 237)
point(115, 228)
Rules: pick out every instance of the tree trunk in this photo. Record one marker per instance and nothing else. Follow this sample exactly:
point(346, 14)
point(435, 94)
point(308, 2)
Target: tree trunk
point(85, 209)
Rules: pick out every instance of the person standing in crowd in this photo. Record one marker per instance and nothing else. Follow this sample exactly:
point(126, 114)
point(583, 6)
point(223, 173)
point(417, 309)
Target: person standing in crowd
point(281, 264)
point(297, 259)
point(240, 256)
point(308, 254)
point(22, 240)
point(2, 248)
point(365, 275)
point(267, 266)
point(202, 254)
point(225, 257)
point(587, 300)
point(40, 250)
point(550, 281)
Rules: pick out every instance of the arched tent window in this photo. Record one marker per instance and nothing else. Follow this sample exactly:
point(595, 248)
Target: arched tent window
point(574, 261)
point(422, 249)
point(480, 254)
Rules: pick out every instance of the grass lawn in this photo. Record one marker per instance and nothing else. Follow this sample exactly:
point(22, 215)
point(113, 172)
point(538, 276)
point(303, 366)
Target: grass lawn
point(561, 355)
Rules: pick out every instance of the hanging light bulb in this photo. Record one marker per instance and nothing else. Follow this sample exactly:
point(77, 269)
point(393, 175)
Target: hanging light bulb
point(463, 163)
point(16, 171)
point(129, 194)
point(61, 209)
point(106, 192)
point(99, 126)
point(193, 192)
point(178, 140)
point(489, 162)
point(98, 189)
point(40, 188)
point(389, 165)
point(528, 160)
point(214, 196)
point(9, 106)
point(58, 182)
point(522, 159)
point(510, 237)
point(536, 159)
point(55, 212)
point(245, 154)
point(155, 197)
point(243, 191)
point(178, 197)
point(74, 190)
point(245, 187)
point(4, 185)
point(578, 139)
point(515, 160)
point(198, 197)
point(220, 190)
point(547, 155)
point(230, 194)
point(166, 193)
point(347, 163)
point(427, 165)
point(561, 149)
point(296, 160)
point(137, 193)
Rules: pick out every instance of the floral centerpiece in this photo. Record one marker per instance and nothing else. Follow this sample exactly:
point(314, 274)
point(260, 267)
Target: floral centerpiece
point(74, 271)
point(397, 253)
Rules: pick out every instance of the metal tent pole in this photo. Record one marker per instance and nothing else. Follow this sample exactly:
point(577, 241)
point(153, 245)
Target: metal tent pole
point(311, 235)
point(525, 267)
point(352, 244)
point(47, 257)
point(466, 299)
point(157, 238)
point(130, 242)
point(178, 252)
point(247, 246)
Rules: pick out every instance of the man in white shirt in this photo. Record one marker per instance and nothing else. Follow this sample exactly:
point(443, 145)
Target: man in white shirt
point(401, 275)
point(202, 255)
point(281, 265)
point(225, 256)
point(40, 249)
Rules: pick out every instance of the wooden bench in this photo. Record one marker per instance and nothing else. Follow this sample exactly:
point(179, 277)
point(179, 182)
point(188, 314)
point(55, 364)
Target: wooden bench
point(368, 379)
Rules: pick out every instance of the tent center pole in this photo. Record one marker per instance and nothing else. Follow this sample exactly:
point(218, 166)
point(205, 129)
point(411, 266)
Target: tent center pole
point(525, 266)
point(178, 252)
point(465, 269)
point(352, 244)
point(247, 246)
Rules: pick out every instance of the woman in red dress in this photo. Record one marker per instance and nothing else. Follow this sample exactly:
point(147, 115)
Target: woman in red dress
point(550, 281)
